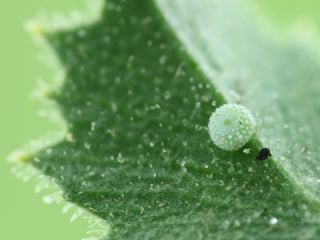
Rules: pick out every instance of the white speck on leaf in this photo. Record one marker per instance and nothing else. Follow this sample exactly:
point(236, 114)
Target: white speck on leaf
point(93, 126)
point(273, 221)
point(247, 150)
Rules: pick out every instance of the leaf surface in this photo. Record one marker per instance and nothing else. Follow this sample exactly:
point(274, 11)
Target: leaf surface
point(140, 86)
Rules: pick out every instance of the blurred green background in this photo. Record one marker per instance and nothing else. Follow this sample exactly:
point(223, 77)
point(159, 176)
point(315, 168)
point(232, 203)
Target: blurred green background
point(23, 215)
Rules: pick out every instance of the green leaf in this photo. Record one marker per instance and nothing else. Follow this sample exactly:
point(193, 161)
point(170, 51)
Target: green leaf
point(140, 86)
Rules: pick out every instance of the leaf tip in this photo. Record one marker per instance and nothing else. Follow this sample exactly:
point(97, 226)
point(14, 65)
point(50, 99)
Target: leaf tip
point(20, 156)
point(36, 28)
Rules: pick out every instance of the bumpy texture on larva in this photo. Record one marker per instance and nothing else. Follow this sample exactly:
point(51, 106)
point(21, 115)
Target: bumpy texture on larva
point(231, 126)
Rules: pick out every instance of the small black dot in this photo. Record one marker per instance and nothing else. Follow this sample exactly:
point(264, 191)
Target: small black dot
point(264, 153)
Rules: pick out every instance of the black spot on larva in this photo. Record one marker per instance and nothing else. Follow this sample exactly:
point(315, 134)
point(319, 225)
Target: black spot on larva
point(263, 154)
